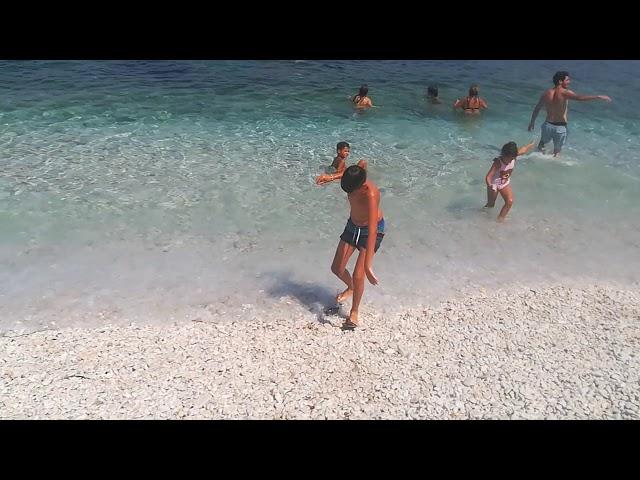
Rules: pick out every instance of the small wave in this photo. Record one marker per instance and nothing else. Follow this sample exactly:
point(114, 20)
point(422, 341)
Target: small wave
point(538, 156)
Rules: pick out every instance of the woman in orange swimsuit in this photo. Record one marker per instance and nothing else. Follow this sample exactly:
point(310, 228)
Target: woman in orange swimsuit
point(472, 103)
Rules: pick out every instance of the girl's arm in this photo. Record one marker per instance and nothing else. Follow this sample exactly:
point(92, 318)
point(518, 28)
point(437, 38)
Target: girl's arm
point(489, 177)
point(525, 149)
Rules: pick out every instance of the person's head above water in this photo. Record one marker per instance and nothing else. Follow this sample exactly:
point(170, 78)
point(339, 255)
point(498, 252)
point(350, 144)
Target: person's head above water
point(561, 77)
point(353, 178)
point(509, 150)
point(364, 90)
point(474, 90)
point(343, 149)
point(342, 145)
point(432, 91)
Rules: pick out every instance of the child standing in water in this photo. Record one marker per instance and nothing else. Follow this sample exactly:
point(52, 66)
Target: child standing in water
point(498, 177)
point(339, 164)
point(364, 199)
point(342, 149)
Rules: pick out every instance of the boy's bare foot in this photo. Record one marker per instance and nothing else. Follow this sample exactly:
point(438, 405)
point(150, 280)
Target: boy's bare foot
point(351, 322)
point(488, 206)
point(344, 295)
point(501, 219)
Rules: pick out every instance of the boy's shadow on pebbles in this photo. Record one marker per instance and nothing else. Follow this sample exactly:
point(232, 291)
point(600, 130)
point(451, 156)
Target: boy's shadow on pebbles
point(317, 299)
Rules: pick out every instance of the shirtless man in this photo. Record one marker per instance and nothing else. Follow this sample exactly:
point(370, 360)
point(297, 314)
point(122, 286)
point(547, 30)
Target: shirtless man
point(556, 101)
point(364, 198)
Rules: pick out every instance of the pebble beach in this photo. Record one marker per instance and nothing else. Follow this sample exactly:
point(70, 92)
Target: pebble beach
point(530, 353)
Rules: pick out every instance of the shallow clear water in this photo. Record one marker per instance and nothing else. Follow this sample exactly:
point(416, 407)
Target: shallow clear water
point(143, 188)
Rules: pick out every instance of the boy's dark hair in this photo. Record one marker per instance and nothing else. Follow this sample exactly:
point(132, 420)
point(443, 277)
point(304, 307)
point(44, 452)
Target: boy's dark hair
point(473, 90)
point(432, 91)
point(364, 89)
point(510, 149)
point(353, 178)
point(559, 76)
point(342, 145)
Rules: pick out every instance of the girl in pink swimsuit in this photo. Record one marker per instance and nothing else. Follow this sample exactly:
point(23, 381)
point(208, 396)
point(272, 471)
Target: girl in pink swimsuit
point(499, 177)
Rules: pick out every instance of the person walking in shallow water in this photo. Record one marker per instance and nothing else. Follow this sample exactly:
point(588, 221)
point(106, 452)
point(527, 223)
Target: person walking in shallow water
point(498, 177)
point(556, 101)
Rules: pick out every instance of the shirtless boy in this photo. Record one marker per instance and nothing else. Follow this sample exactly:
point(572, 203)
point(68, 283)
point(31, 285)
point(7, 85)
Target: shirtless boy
point(364, 198)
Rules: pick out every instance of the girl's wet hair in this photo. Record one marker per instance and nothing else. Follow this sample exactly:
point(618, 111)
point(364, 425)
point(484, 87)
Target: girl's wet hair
point(510, 149)
point(353, 178)
point(342, 145)
point(432, 91)
point(364, 90)
point(474, 90)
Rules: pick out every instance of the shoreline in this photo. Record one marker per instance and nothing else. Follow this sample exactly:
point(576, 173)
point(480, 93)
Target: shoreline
point(542, 352)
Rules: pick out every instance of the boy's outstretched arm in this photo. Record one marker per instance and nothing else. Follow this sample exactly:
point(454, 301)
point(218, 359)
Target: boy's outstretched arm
point(526, 148)
point(373, 234)
point(340, 167)
point(330, 177)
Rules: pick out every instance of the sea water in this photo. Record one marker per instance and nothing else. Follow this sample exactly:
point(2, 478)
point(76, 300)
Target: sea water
point(135, 190)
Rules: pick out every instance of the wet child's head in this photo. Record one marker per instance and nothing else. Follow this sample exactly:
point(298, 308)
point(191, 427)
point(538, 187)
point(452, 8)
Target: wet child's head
point(432, 91)
point(509, 150)
point(343, 149)
point(474, 90)
point(364, 90)
point(353, 178)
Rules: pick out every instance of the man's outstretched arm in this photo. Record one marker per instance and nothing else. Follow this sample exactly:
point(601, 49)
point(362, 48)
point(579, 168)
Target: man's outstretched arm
point(585, 98)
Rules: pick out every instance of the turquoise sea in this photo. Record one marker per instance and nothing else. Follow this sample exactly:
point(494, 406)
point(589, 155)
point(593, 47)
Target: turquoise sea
point(140, 190)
